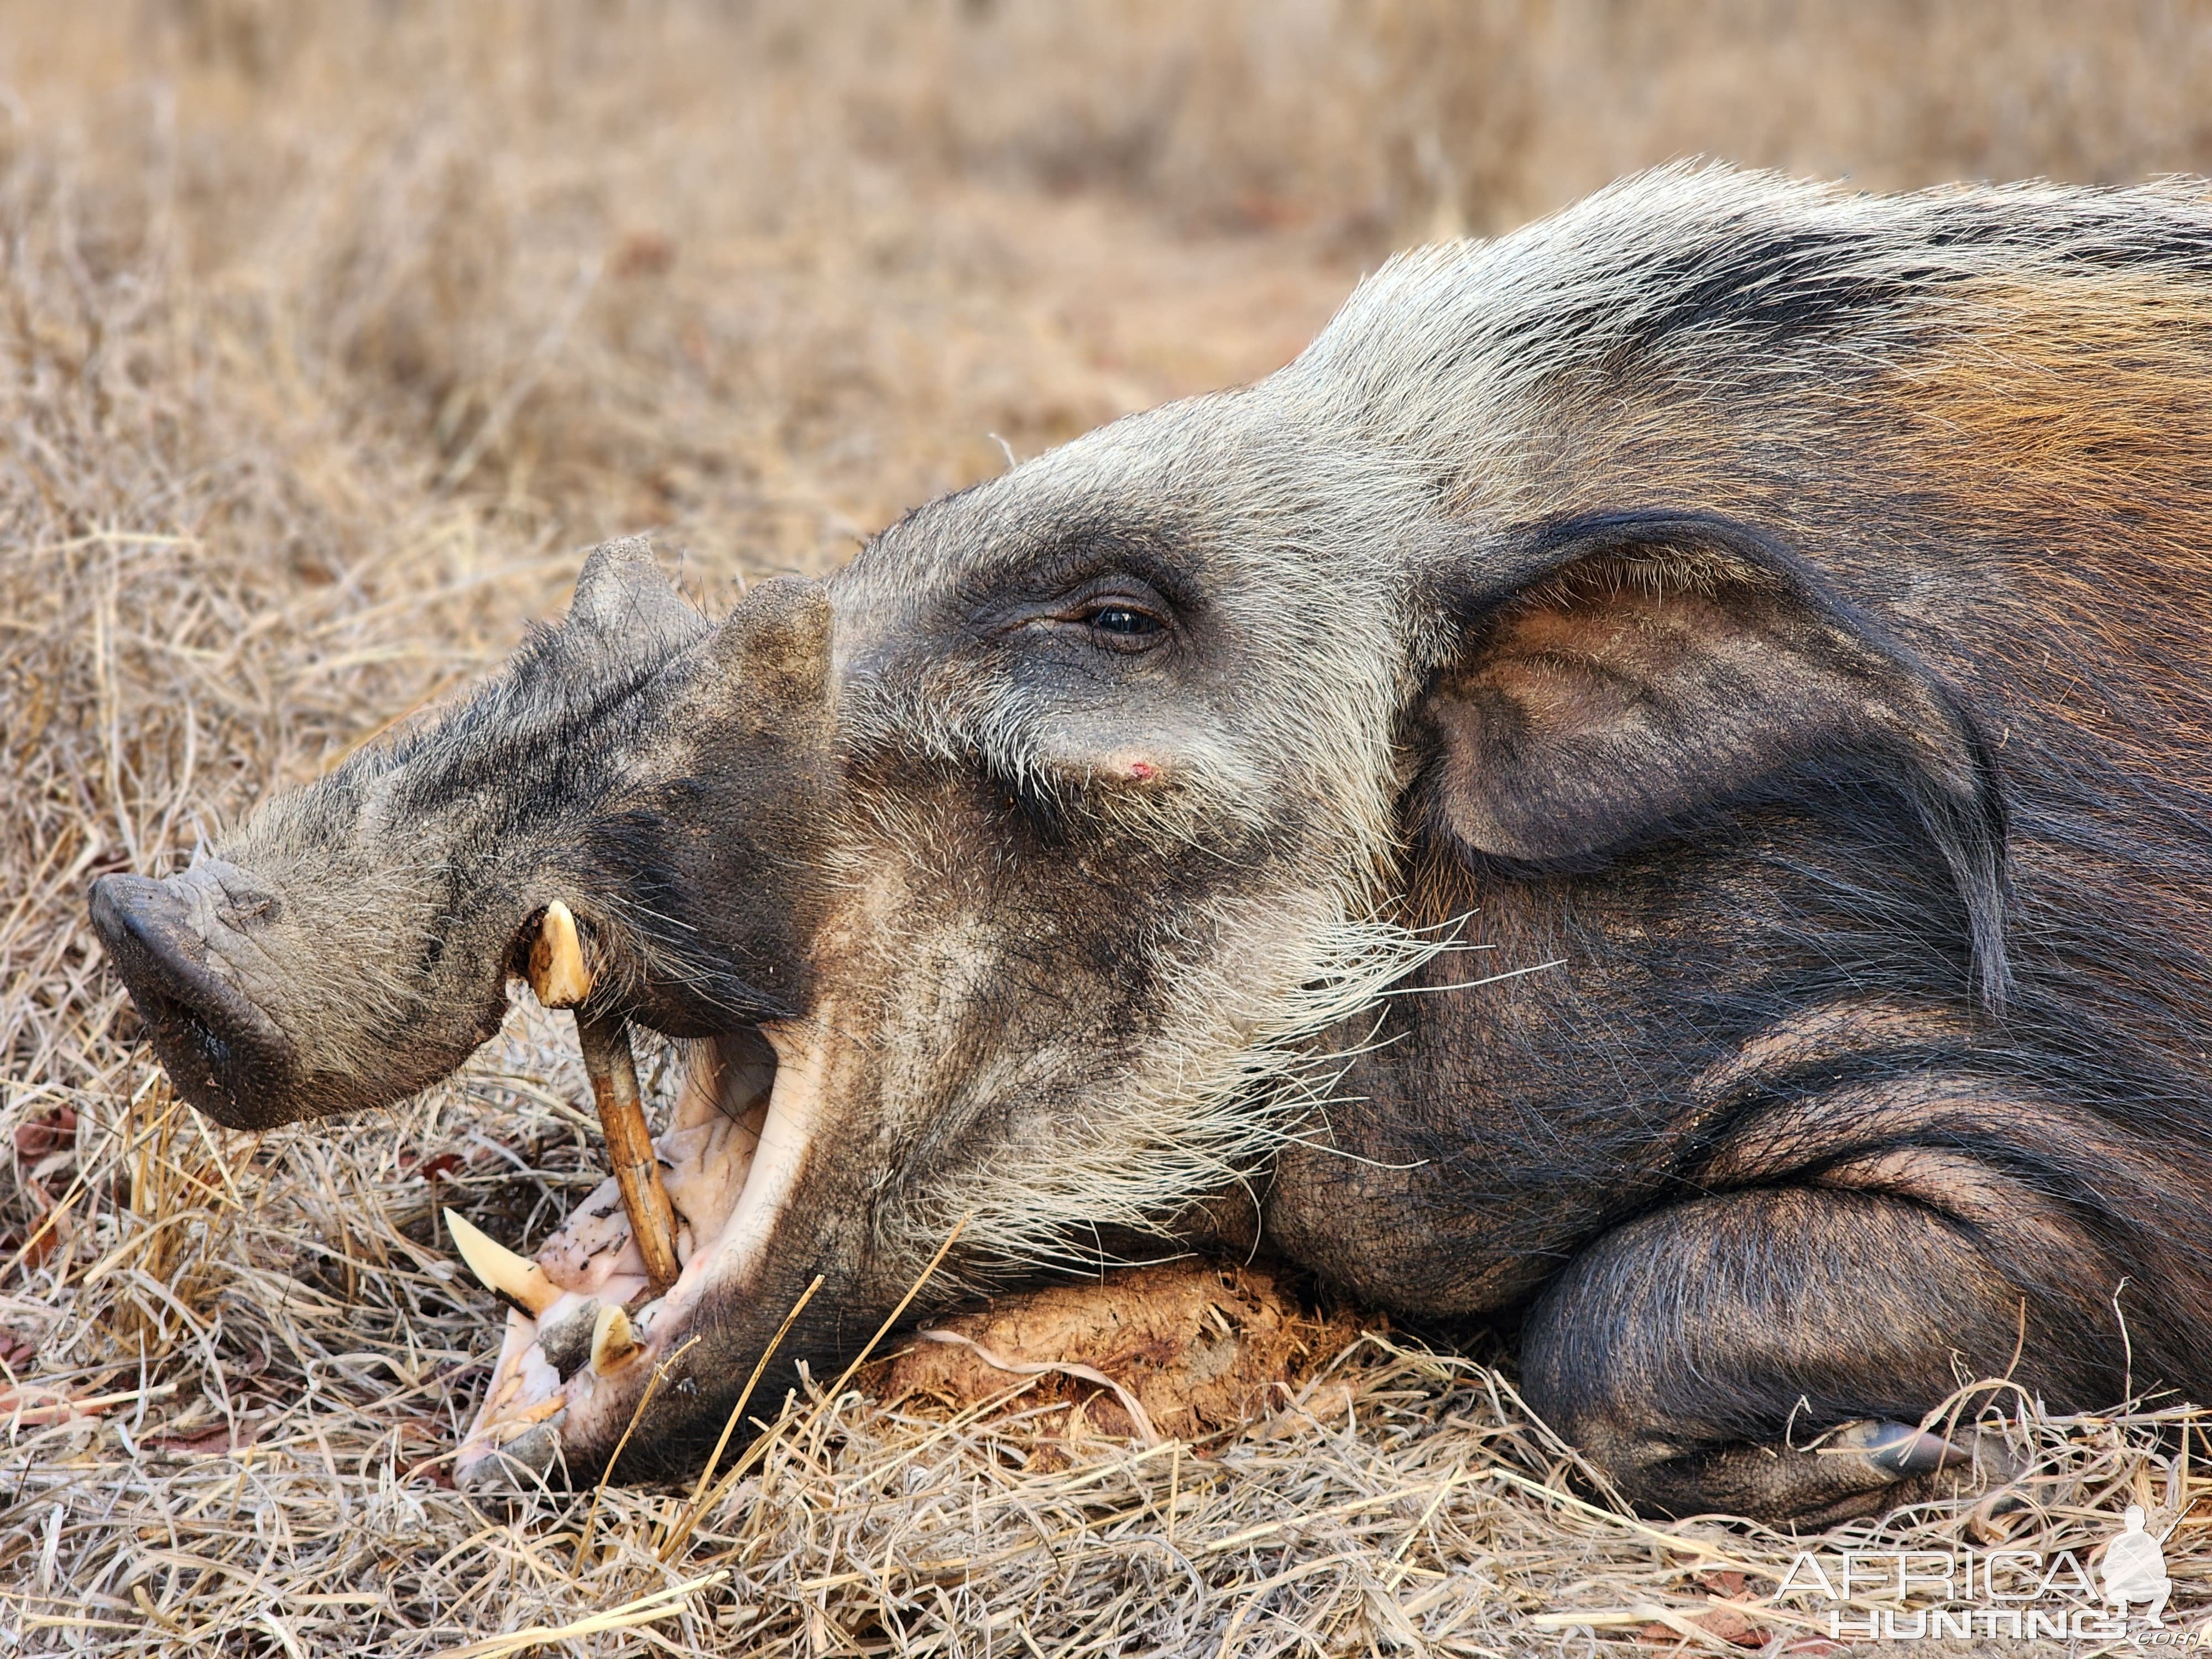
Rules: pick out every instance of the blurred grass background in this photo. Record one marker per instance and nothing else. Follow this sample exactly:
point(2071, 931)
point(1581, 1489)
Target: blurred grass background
point(330, 334)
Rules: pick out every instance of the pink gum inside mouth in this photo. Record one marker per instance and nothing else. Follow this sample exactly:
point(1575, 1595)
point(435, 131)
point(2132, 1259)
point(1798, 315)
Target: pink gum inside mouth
point(705, 1158)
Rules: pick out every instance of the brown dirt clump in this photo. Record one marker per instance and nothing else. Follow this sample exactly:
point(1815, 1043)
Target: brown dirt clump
point(1186, 1350)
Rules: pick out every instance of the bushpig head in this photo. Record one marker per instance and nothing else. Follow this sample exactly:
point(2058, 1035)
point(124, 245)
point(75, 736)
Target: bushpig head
point(1021, 879)
point(355, 942)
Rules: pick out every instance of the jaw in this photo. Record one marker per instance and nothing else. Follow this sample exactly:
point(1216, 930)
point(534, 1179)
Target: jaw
point(779, 1166)
point(559, 1402)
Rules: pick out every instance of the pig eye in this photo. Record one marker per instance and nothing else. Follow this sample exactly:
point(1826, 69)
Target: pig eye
point(1123, 626)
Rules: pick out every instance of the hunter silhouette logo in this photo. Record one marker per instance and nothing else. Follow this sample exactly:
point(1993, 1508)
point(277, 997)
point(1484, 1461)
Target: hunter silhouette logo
point(2135, 1571)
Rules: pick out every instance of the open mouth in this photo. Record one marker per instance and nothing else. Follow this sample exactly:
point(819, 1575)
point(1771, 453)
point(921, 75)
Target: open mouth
point(585, 1324)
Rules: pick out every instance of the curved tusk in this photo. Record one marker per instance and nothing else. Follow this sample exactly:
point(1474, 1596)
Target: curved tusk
point(516, 1278)
point(612, 1341)
point(557, 974)
point(613, 1071)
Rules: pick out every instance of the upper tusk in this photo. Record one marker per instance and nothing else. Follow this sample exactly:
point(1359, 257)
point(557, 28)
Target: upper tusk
point(556, 960)
point(612, 1339)
point(518, 1279)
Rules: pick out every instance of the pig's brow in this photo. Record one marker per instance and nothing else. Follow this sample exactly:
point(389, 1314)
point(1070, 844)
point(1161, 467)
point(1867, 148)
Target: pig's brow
point(1073, 556)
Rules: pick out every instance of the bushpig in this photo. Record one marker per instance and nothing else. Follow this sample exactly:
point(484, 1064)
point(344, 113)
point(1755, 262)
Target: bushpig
point(1649, 788)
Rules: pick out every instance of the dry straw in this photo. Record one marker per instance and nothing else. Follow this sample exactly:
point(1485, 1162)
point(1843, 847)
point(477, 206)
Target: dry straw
point(272, 1357)
point(327, 337)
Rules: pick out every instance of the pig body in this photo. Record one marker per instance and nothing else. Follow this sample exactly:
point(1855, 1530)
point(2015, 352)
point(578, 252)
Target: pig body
point(1650, 787)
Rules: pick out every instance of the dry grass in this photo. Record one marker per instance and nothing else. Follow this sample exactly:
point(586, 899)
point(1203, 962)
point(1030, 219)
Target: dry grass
point(330, 336)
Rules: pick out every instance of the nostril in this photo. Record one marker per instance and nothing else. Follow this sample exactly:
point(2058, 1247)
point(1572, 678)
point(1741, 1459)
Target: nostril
point(149, 939)
point(223, 1054)
point(147, 931)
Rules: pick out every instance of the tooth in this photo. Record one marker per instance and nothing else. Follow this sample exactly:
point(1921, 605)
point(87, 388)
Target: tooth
point(612, 1340)
point(556, 960)
point(557, 975)
point(566, 1342)
point(613, 1071)
point(518, 1279)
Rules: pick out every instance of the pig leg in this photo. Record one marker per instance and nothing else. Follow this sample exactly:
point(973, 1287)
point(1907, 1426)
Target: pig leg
point(1689, 1352)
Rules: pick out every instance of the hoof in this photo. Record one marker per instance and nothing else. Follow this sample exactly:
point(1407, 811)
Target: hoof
point(1897, 1451)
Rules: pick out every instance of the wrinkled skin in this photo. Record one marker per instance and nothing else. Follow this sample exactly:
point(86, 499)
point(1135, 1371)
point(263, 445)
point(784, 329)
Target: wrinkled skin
point(1795, 733)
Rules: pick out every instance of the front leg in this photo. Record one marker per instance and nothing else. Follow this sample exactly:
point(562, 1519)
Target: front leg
point(1690, 1352)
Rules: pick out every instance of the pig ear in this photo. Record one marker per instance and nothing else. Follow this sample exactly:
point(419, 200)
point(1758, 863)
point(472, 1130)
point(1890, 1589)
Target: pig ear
point(1652, 674)
point(622, 592)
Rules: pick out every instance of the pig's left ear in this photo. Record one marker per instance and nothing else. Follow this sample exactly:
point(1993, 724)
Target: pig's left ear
point(1648, 675)
point(622, 593)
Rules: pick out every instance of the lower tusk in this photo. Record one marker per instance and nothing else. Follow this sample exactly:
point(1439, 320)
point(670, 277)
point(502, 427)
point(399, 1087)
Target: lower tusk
point(559, 978)
point(612, 1339)
point(606, 1042)
point(519, 1279)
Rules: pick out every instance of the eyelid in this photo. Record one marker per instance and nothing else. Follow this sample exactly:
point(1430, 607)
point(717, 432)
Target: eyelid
point(1091, 608)
point(1073, 606)
point(1111, 594)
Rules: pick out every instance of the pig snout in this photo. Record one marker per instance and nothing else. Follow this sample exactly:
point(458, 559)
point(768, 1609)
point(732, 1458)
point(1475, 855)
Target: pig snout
point(224, 1054)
